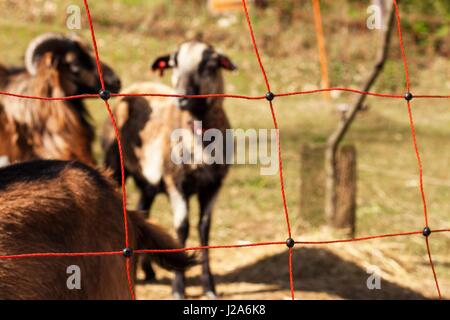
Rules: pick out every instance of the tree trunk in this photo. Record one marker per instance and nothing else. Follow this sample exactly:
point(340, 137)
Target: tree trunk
point(384, 6)
point(338, 135)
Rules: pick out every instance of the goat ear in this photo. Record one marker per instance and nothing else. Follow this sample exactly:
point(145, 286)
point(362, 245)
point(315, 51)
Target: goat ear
point(226, 63)
point(49, 60)
point(162, 63)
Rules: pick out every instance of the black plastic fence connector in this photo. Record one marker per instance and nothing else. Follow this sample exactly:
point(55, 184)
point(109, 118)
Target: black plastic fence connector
point(408, 96)
point(270, 96)
point(127, 252)
point(105, 94)
point(290, 242)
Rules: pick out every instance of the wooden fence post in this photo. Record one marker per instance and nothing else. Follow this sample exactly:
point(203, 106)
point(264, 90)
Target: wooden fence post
point(313, 185)
point(345, 214)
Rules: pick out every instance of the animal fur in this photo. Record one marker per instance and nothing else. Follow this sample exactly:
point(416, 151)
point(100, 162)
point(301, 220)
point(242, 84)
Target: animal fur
point(58, 206)
point(56, 66)
point(146, 124)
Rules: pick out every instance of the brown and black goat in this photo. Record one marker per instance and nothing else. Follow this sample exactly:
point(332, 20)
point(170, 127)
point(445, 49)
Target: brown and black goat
point(147, 124)
point(55, 66)
point(70, 207)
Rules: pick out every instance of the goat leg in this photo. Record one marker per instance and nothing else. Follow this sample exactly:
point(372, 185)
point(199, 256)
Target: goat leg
point(179, 203)
point(207, 199)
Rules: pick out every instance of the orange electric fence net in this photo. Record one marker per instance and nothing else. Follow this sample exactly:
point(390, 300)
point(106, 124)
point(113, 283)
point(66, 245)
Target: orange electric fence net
point(269, 96)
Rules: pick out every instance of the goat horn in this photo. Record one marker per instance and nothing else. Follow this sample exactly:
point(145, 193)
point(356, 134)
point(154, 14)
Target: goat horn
point(41, 44)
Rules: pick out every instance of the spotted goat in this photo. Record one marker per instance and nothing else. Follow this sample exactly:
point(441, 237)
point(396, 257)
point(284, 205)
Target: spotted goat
point(146, 125)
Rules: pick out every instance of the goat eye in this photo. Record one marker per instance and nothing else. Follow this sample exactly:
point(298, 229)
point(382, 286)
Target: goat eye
point(75, 68)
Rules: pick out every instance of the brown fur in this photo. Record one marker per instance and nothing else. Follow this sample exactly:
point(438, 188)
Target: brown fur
point(164, 118)
point(69, 207)
point(44, 129)
point(39, 129)
point(146, 125)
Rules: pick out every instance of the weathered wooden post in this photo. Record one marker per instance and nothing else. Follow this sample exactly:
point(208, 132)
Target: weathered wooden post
point(313, 186)
point(346, 187)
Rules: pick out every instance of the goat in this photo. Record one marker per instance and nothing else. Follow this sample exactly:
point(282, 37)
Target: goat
point(146, 125)
point(55, 66)
point(5, 147)
point(70, 207)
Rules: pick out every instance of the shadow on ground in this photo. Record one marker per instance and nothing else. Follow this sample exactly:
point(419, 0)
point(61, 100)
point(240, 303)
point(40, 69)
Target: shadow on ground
point(315, 270)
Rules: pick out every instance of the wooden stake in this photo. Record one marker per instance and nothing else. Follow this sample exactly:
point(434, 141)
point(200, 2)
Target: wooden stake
point(321, 44)
point(345, 214)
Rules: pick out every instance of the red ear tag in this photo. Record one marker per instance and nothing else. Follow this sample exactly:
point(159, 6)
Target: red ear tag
point(162, 65)
point(224, 63)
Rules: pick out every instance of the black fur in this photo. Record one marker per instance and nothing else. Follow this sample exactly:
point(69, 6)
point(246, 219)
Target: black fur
point(44, 170)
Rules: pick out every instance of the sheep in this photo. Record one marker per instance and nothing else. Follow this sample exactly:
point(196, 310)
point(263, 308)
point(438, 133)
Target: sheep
point(55, 66)
point(146, 125)
point(70, 207)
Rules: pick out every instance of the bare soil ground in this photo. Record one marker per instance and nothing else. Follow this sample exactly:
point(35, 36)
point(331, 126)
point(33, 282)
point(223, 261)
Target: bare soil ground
point(332, 272)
